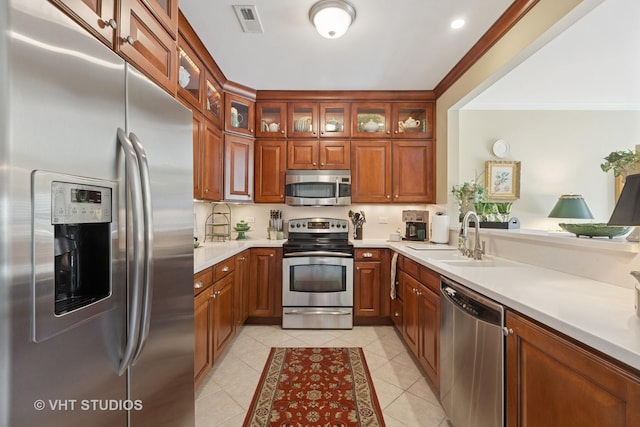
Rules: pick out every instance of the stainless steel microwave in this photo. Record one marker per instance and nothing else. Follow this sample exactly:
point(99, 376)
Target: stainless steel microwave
point(318, 188)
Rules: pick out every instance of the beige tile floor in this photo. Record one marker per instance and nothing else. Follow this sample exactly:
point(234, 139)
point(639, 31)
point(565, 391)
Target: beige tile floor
point(406, 398)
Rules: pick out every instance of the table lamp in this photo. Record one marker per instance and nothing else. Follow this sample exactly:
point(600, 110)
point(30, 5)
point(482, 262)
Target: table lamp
point(627, 212)
point(571, 206)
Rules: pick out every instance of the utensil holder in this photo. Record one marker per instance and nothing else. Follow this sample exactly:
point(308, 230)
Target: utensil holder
point(357, 233)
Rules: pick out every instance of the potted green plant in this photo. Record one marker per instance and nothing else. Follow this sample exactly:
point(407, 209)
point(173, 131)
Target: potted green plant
point(620, 162)
point(467, 195)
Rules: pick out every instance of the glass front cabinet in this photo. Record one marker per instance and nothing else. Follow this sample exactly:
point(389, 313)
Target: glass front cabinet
point(212, 100)
point(239, 113)
point(190, 75)
point(413, 120)
point(335, 120)
point(370, 119)
point(271, 119)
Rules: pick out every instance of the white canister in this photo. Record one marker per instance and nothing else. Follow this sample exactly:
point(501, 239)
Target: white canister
point(440, 228)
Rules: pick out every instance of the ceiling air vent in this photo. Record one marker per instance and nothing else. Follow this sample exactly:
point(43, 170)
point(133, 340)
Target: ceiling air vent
point(249, 19)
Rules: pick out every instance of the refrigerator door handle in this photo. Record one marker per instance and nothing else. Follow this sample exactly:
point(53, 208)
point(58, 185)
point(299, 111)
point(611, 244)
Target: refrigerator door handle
point(147, 293)
point(134, 190)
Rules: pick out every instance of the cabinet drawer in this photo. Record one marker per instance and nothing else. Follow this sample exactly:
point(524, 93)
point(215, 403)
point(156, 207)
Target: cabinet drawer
point(410, 266)
point(368, 254)
point(430, 279)
point(202, 281)
point(223, 268)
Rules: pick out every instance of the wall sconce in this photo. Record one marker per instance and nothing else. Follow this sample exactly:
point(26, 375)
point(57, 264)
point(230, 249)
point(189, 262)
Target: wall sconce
point(332, 18)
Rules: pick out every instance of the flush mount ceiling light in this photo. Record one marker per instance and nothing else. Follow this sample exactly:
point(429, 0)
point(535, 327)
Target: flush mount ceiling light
point(332, 18)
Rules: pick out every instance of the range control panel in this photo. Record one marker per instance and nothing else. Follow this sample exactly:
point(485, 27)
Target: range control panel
point(73, 203)
point(318, 225)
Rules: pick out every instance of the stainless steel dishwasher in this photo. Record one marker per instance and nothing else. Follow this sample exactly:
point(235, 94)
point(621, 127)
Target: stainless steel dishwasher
point(471, 357)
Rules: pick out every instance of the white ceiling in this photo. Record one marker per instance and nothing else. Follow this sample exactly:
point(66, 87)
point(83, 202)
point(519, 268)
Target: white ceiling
point(392, 45)
point(593, 65)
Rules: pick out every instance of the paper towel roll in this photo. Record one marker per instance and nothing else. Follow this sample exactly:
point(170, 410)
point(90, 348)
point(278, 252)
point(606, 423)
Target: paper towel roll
point(440, 229)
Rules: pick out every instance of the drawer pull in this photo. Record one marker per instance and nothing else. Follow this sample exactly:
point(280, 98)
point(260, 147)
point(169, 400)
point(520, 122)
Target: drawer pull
point(198, 285)
point(367, 255)
point(225, 268)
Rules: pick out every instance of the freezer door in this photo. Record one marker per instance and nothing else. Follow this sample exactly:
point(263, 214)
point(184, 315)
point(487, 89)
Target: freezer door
point(67, 97)
point(162, 375)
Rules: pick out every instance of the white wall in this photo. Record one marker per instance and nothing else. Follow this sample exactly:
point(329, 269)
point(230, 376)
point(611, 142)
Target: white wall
point(560, 152)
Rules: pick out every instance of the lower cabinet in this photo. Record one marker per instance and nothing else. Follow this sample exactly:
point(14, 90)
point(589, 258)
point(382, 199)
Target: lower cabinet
point(553, 381)
point(265, 289)
point(421, 315)
point(203, 328)
point(241, 288)
point(222, 309)
point(371, 287)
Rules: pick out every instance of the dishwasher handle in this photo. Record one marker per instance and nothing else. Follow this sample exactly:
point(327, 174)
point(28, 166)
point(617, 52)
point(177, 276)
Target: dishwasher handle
point(473, 304)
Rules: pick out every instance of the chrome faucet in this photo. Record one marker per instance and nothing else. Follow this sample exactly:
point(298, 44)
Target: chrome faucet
point(478, 248)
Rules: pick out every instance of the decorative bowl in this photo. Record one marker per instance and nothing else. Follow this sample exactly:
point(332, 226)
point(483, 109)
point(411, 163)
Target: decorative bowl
point(242, 226)
point(595, 230)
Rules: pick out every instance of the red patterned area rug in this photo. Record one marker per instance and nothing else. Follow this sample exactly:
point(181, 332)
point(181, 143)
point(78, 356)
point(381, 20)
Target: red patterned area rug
point(315, 387)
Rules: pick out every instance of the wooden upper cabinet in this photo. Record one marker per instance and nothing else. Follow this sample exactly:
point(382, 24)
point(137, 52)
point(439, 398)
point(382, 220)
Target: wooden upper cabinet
point(370, 171)
point(212, 99)
point(239, 115)
point(323, 154)
point(302, 120)
point(190, 75)
point(271, 119)
point(270, 171)
point(97, 16)
point(165, 11)
point(413, 120)
point(146, 44)
point(370, 119)
point(238, 168)
point(335, 120)
point(211, 163)
point(413, 171)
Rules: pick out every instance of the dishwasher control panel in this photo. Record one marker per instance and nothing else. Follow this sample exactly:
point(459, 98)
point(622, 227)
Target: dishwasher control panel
point(472, 305)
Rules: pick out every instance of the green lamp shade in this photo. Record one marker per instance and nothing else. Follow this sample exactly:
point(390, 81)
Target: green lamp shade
point(571, 206)
point(627, 210)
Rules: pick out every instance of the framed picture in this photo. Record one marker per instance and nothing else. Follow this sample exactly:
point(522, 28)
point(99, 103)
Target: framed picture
point(502, 179)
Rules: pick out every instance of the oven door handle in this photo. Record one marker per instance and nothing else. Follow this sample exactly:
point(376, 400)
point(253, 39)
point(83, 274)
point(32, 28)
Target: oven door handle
point(318, 253)
point(337, 190)
point(315, 312)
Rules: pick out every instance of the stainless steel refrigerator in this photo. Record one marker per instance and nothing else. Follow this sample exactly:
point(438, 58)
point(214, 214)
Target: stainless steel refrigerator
point(96, 228)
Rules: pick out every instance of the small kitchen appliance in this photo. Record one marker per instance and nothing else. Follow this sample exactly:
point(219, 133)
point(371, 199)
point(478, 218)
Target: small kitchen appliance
point(417, 225)
point(317, 275)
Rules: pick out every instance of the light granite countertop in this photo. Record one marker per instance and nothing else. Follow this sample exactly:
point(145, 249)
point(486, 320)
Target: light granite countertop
point(598, 314)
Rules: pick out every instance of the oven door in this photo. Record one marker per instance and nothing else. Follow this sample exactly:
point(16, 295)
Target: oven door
point(317, 281)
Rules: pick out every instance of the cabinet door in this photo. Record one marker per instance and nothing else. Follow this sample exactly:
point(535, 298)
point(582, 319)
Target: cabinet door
point(370, 171)
point(265, 291)
point(239, 115)
point(97, 16)
point(413, 120)
point(271, 119)
point(370, 119)
point(203, 348)
point(335, 120)
point(223, 326)
point(238, 170)
point(413, 172)
point(269, 171)
point(302, 154)
point(551, 381)
point(146, 44)
point(334, 155)
point(198, 148)
point(429, 351)
point(366, 288)
point(302, 120)
point(190, 75)
point(212, 99)
point(165, 11)
point(411, 321)
point(241, 289)
point(211, 163)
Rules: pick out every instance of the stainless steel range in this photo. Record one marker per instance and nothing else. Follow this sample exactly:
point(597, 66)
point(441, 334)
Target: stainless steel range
point(317, 285)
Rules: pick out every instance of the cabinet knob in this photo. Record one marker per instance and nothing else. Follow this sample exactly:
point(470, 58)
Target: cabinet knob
point(129, 40)
point(321, 164)
point(199, 284)
point(388, 132)
point(251, 130)
point(110, 23)
point(396, 132)
point(397, 196)
point(506, 331)
point(225, 268)
point(206, 190)
point(388, 196)
point(270, 255)
point(315, 164)
point(396, 314)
